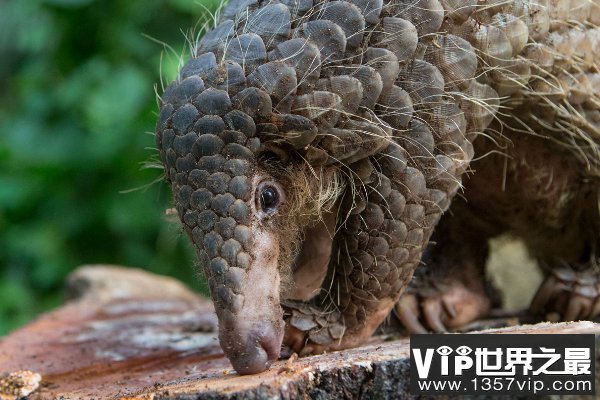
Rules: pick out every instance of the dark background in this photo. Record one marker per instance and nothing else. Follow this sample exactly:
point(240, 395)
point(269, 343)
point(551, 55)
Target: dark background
point(76, 105)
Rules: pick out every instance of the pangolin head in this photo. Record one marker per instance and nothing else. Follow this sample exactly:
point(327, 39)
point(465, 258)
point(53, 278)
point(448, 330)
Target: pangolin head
point(229, 207)
point(248, 181)
point(252, 164)
point(245, 193)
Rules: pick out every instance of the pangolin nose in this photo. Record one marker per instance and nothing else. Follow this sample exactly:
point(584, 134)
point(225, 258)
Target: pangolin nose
point(255, 351)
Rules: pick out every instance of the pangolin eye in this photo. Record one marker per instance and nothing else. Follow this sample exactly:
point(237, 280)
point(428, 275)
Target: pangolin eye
point(268, 199)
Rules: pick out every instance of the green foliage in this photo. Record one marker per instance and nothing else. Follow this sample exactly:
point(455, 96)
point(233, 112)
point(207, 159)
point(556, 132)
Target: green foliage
point(76, 105)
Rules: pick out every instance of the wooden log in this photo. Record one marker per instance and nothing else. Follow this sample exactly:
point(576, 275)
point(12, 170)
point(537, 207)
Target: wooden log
point(129, 334)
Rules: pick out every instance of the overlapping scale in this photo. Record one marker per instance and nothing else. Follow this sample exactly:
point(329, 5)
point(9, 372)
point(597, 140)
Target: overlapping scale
point(534, 15)
point(540, 55)
point(514, 28)
point(493, 45)
point(278, 79)
point(448, 122)
point(248, 50)
point(384, 62)
point(348, 88)
point(347, 16)
point(370, 9)
point(585, 48)
point(201, 66)
point(340, 144)
point(298, 8)
point(304, 56)
point(370, 80)
point(512, 78)
point(329, 38)
point(423, 82)
point(186, 91)
point(354, 141)
point(212, 40)
point(396, 108)
point(375, 136)
point(228, 76)
point(418, 141)
point(253, 102)
point(480, 104)
point(297, 130)
point(454, 57)
point(396, 35)
point(458, 10)
point(271, 22)
point(322, 107)
point(426, 15)
point(238, 9)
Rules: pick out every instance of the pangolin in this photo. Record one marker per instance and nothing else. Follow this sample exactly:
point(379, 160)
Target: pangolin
point(312, 147)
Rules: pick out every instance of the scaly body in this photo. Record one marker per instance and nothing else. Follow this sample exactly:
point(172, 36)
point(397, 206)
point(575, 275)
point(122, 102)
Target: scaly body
point(312, 147)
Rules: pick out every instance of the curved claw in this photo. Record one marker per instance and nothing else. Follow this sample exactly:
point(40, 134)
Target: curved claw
point(449, 307)
point(577, 308)
point(575, 295)
point(543, 295)
point(442, 309)
point(595, 308)
point(407, 309)
point(432, 309)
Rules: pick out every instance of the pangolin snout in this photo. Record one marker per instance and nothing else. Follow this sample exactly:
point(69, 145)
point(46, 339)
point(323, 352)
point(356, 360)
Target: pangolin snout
point(251, 324)
point(253, 351)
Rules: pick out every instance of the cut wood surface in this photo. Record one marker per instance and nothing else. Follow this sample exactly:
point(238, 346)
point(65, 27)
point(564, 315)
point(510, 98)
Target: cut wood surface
point(130, 334)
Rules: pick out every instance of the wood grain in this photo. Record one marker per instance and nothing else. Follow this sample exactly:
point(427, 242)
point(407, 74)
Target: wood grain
point(131, 334)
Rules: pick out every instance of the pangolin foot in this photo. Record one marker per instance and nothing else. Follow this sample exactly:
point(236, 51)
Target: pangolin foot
point(573, 295)
point(442, 308)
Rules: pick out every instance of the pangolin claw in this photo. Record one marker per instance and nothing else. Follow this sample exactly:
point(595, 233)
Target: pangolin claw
point(441, 309)
point(432, 309)
point(574, 295)
point(407, 309)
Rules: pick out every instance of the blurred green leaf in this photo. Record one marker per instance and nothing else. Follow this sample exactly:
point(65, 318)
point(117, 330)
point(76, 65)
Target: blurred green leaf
point(68, 3)
point(76, 102)
point(14, 191)
point(117, 100)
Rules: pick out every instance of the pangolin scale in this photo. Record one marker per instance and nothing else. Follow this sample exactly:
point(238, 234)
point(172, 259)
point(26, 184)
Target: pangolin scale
point(312, 148)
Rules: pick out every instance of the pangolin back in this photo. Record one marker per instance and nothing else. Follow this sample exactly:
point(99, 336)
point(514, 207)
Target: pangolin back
point(390, 94)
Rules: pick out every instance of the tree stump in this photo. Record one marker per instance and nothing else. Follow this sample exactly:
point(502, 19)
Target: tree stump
point(126, 334)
